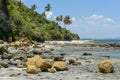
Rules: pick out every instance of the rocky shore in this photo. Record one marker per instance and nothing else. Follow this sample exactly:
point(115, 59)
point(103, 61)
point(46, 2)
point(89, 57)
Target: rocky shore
point(13, 58)
point(84, 45)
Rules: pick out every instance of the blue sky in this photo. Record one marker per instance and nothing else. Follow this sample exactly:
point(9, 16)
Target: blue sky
point(91, 18)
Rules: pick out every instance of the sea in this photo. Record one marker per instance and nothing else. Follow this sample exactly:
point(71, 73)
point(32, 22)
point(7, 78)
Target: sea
point(112, 54)
point(104, 40)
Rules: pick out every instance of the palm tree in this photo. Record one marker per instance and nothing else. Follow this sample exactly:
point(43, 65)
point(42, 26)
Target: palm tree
point(3, 6)
point(59, 18)
point(3, 3)
point(67, 20)
point(33, 7)
point(48, 7)
point(20, 3)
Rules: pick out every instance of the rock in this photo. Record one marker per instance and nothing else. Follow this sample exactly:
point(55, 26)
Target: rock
point(15, 75)
point(2, 50)
point(20, 57)
point(71, 61)
point(105, 56)
point(12, 50)
point(20, 66)
point(47, 49)
point(60, 66)
point(47, 55)
point(106, 66)
point(62, 54)
point(13, 63)
point(22, 49)
point(15, 44)
point(58, 58)
point(4, 64)
point(32, 69)
point(1, 42)
point(1, 66)
point(33, 60)
point(37, 46)
point(29, 54)
point(52, 70)
point(76, 63)
point(37, 61)
point(87, 54)
point(38, 51)
point(43, 64)
point(6, 56)
point(22, 42)
point(26, 41)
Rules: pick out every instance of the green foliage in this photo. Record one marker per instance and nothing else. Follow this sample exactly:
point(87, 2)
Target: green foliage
point(67, 20)
point(25, 22)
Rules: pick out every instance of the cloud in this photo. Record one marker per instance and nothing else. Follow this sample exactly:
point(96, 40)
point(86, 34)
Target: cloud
point(73, 19)
point(96, 19)
point(96, 26)
point(49, 15)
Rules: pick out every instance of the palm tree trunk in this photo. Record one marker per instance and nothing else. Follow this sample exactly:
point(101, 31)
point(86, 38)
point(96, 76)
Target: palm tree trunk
point(3, 5)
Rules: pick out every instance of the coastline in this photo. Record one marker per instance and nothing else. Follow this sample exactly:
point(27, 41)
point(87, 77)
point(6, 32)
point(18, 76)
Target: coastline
point(84, 45)
point(81, 67)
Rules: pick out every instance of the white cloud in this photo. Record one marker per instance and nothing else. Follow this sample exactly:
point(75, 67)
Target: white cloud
point(96, 26)
point(49, 15)
point(73, 19)
point(96, 19)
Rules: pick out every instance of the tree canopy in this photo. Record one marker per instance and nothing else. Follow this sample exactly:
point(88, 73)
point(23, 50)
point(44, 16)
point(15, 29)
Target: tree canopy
point(22, 21)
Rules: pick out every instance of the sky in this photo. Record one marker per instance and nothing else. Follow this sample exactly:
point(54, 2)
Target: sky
point(94, 19)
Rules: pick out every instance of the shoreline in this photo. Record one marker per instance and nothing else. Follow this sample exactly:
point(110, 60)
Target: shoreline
point(84, 45)
point(81, 67)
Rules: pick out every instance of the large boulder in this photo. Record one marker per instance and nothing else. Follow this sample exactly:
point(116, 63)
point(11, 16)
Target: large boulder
point(106, 66)
point(60, 66)
point(42, 64)
point(32, 69)
point(33, 60)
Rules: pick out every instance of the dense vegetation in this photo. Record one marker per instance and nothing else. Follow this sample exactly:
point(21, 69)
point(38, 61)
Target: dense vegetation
point(17, 20)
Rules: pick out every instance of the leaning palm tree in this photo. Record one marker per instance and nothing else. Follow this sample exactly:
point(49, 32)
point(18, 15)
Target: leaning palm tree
point(59, 19)
point(67, 20)
point(48, 7)
point(33, 7)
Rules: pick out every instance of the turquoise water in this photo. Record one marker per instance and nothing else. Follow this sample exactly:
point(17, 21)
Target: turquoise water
point(112, 54)
point(104, 40)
